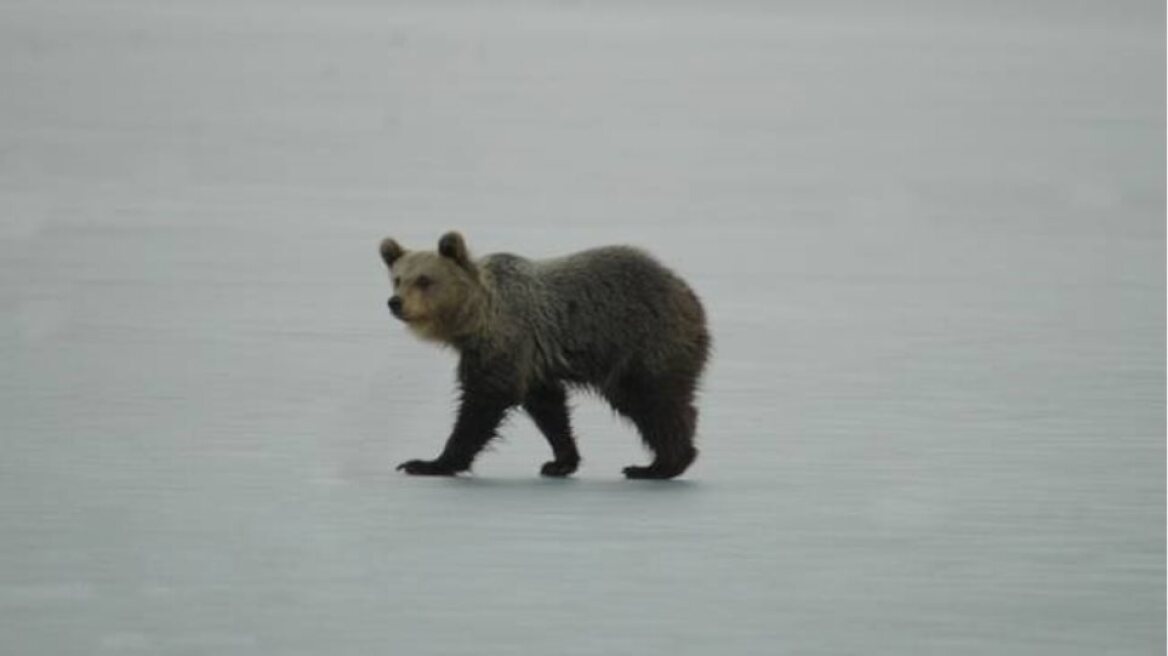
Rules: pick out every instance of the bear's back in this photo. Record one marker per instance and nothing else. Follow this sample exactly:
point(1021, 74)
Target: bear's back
point(595, 312)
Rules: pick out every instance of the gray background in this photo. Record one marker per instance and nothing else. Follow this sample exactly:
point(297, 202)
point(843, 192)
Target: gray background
point(930, 237)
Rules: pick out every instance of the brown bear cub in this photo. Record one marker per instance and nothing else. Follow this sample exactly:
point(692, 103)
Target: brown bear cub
point(609, 319)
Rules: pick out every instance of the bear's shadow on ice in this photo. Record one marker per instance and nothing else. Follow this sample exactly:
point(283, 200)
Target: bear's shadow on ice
point(570, 485)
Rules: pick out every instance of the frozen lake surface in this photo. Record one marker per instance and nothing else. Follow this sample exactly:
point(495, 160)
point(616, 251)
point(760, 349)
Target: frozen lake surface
point(930, 238)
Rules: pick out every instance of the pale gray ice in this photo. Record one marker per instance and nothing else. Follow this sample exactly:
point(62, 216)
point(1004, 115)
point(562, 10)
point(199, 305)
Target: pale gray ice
point(930, 237)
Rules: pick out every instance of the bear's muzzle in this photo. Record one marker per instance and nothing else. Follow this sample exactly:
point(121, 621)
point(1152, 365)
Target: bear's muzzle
point(395, 307)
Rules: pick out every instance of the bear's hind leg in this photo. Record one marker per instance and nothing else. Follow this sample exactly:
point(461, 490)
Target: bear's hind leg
point(668, 431)
point(666, 421)
point(548, 407)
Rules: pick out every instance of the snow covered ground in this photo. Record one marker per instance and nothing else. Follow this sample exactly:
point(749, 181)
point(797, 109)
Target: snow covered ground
point(930, 237)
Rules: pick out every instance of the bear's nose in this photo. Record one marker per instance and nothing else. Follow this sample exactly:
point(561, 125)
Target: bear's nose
point(395, 305)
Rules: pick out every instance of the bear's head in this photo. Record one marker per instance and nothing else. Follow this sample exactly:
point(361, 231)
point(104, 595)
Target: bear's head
point(438, 294)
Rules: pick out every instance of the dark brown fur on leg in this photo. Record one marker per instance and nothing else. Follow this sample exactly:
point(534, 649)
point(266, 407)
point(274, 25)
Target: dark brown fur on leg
point(548, 407)
point(668, 431)
point(478, 418)
point(666, 420)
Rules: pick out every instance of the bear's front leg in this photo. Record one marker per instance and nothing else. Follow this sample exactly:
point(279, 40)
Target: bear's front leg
point(548, 406)
point(478, 417)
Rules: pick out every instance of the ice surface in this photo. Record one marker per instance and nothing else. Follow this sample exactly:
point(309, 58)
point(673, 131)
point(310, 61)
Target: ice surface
point(930, 237)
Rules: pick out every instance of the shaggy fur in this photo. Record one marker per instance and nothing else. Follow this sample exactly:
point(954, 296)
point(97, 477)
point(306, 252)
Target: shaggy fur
point(609, 319)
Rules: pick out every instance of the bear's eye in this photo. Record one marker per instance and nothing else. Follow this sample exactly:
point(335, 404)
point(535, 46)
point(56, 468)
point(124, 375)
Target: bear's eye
point(423, 282)
point(396, 281)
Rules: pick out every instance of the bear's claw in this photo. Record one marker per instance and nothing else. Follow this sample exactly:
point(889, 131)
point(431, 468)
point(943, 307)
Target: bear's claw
point(426, 468)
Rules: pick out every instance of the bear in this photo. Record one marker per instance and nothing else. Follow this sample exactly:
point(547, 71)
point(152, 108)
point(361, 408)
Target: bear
point(611, 320)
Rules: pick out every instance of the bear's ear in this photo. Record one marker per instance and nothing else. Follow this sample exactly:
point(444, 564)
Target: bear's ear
point(390, 251)
point(451, 245)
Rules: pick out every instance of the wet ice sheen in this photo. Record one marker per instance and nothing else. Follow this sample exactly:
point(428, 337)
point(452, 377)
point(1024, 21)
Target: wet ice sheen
point(930, 239)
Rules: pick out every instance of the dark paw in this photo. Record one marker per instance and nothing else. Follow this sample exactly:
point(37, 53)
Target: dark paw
point(671, 466)
point(650, 472)
point(426, 468)
point(558, 468)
